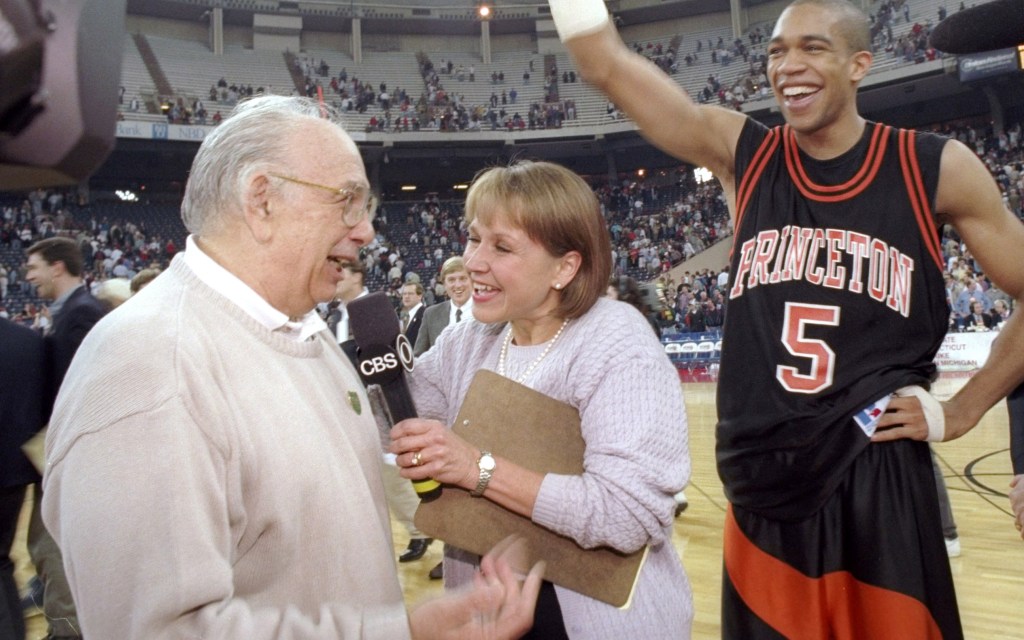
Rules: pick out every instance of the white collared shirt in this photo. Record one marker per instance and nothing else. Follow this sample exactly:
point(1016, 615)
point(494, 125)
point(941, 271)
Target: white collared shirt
point(411, 313)
point(467, 311)
point(231, 287)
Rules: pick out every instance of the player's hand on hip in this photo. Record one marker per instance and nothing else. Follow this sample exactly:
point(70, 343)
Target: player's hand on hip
point(903, 419)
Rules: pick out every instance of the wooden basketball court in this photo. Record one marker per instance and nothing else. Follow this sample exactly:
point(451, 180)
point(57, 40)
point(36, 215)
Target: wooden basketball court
point(989, 574)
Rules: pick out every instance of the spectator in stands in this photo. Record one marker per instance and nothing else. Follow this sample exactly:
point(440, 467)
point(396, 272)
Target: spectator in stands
point(238, 531)
point(713, 317)
point(977, 319)
point(694, 320)
point(1000, 313)
point(626, 289)
point(964, 305)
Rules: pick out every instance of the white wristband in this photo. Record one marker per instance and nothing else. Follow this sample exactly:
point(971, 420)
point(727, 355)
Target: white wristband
point(575, 18)
point(933, 413)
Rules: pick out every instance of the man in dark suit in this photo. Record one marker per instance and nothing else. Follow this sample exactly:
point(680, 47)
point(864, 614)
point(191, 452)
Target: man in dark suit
point(22, 385)
point(458, 306)
point(412, 309)
point(55, 269)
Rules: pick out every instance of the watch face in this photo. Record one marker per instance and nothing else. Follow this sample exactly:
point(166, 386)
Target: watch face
point(487, 463)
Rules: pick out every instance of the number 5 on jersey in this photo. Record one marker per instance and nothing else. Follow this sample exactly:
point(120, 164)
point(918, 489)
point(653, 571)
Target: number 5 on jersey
point(821, 358)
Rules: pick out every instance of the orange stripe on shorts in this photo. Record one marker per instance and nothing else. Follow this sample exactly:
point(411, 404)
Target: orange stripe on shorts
point(836, 605)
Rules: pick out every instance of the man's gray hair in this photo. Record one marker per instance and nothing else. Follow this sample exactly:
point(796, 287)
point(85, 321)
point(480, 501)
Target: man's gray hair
point(254, 138)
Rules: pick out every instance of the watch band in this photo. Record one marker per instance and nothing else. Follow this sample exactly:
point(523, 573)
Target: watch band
point(485, 463)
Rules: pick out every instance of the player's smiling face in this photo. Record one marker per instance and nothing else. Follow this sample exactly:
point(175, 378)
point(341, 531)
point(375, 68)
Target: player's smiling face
point(811, 68)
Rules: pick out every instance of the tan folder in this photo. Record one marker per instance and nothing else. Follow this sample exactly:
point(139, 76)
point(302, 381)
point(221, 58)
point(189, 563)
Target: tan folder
point(542, 434)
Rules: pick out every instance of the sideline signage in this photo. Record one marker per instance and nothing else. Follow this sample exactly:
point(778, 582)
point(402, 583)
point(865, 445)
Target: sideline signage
point(964, 351)
point(162, 131)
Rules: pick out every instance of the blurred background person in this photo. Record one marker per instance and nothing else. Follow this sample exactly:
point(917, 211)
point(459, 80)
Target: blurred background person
point(55, 268)
point(458, 306)
point(22, 386)
point(143, 278)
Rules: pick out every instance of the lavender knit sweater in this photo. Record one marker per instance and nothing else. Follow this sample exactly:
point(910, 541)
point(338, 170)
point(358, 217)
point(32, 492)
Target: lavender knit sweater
point(610, 366)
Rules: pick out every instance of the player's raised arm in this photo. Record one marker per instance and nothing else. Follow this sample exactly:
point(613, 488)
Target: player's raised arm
point(668, 118)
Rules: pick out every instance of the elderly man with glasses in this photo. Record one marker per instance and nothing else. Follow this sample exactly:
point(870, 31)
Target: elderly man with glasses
point(213, 468)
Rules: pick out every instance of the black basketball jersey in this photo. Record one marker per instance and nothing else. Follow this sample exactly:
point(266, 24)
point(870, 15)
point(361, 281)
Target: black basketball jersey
point(836, 299)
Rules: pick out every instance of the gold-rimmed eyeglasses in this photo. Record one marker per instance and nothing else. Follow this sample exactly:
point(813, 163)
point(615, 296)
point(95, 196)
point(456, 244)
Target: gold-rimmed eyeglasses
point(359, 204)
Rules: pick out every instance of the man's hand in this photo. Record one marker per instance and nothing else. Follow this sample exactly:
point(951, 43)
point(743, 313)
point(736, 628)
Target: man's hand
point(905, 417)
point(496, 607)
point(1017, 502)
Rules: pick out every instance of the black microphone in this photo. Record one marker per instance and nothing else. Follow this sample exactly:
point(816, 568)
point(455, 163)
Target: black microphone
point(384, 355)
point(986, 27)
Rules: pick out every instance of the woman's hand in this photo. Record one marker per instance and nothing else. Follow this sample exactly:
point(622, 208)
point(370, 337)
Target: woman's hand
point(429, 449)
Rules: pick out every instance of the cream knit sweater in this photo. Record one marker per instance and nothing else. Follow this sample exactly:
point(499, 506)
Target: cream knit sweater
point(208, 478)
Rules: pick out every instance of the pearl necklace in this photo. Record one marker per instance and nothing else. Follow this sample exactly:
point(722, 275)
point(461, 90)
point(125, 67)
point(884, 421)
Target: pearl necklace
point(533, 365)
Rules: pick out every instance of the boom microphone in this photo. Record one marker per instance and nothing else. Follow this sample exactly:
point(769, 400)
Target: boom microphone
point(986, 27)
point(384, 355)
point(60, 64)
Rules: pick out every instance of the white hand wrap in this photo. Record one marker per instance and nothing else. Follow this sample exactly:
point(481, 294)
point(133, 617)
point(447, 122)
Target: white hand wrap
point(932, 408)
point(575, 18)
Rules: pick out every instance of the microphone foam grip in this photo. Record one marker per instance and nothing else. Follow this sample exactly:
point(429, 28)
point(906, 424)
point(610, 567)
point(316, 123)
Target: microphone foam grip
point(373, 321)
point(986, 27)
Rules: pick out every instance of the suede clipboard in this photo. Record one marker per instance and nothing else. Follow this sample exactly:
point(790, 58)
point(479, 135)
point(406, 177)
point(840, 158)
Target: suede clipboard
point(542, 434)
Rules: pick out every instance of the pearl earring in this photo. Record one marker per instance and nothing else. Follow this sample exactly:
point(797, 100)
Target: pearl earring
point(558, 286)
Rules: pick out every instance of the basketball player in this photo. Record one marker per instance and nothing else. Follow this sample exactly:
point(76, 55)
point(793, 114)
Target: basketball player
point(836, 309)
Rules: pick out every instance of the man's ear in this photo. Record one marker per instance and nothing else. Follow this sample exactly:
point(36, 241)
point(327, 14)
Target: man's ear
point(860, 64)
point(257, 212)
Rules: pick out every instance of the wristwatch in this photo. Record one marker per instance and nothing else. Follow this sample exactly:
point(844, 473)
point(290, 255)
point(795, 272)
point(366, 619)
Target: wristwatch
point(486, 465)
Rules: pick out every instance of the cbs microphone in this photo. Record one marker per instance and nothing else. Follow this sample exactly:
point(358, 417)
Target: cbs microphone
point(383, 355)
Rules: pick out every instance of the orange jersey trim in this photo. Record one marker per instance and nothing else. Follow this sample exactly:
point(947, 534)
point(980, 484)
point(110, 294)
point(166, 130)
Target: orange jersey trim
point(840, 192)
point(751, 178)
point(918, 197)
